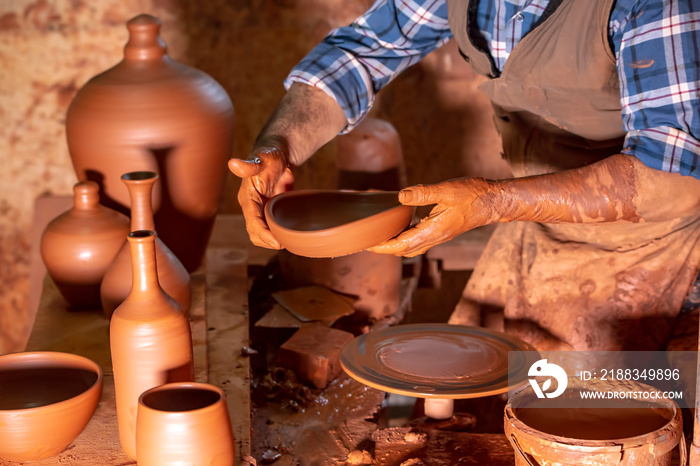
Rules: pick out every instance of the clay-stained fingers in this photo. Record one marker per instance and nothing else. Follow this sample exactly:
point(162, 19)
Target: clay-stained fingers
point(420, 195)
point(411, 242)
point(253, 205)
point(284, 183)
point(244, 168)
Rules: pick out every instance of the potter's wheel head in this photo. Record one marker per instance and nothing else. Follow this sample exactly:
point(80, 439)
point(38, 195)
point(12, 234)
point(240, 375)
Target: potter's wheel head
point(438, 360)
point(46, 400)
point(327, 223)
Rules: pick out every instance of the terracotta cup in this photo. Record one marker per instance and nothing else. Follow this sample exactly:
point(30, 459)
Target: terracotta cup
point(184, 423)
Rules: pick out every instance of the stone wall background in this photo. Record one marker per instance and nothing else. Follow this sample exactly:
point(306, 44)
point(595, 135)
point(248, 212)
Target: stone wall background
point(50, 48)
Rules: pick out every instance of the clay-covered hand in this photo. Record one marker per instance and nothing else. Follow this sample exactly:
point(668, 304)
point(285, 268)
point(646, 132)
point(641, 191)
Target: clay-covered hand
point(460, 205)
point(264, 175)
point(305, 119)
point(617, 188)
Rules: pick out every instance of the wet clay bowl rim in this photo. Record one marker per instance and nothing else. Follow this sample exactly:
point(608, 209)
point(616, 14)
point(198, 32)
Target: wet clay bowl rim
point(390, 219)
point(35, 433)
point(363, 360)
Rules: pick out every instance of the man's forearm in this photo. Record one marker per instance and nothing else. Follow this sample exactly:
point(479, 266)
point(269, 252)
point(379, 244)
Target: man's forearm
point(305, 119)
point(616, 188)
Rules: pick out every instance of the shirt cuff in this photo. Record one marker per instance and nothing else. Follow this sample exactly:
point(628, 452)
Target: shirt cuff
point(665, 148)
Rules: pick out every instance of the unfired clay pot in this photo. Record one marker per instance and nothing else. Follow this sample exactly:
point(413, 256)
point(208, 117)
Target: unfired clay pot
point(370, 157)
point(46, 400)
point(172, 276)
point(327, 223)
point(150, 339)
point(79, 245)
point(151, 113)
point(184, 423)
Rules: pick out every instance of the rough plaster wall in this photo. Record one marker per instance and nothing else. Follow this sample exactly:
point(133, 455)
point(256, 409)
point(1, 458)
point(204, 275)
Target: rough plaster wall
point(50, 48)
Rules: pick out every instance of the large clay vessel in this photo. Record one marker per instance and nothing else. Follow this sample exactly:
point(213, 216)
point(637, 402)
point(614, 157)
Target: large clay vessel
point(150, 339)
point(79, 245)
point(150, 112)
point(172, 275)
point(184, 423)
point(369, 157)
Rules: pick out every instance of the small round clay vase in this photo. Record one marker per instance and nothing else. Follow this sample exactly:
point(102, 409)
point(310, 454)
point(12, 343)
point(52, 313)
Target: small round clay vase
point(172, 275)
point(79, 245)
point(150, 112)
point(150, 339)
point(184, 423)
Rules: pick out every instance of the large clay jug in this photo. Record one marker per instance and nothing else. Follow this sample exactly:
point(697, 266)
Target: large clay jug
point(150, 112)
point(79, 245)
point(150, 339)
point(172, 275)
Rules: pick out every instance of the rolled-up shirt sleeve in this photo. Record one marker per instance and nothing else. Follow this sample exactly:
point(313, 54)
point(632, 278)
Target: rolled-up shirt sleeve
point(659, 69)
point(353, 63)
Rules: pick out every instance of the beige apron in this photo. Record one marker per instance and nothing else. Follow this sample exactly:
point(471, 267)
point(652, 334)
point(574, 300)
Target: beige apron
point(570, 286)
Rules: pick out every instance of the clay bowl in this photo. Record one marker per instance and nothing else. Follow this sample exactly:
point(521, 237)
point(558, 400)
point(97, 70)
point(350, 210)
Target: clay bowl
point(46, 400)
point(327, 223)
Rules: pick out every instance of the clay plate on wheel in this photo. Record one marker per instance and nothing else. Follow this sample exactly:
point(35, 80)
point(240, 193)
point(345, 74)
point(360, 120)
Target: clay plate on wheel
point(438, 360)
point(326, 223)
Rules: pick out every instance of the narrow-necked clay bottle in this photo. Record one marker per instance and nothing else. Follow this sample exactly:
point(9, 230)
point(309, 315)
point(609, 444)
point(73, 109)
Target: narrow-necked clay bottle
point(150, 339)
point(150, 112)
point(172, 276)
point(79, 245)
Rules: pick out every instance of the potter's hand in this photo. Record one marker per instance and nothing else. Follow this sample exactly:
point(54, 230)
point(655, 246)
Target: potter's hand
point(617, 188)
point(305, 119)
point(460, 206)
point(264, 175)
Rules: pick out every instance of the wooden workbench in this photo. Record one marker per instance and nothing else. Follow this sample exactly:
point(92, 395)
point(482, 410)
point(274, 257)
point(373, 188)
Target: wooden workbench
point(219, 321)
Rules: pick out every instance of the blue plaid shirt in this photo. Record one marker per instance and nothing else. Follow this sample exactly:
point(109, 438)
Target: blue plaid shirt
point(660, 94)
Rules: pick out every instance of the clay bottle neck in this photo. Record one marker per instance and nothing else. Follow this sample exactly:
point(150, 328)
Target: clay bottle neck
point(143, 263)
point(140, 186)
point(86, 195)
point(144, 39)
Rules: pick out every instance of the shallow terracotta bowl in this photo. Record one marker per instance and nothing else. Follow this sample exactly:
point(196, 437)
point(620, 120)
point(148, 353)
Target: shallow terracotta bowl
point(46, 400)
point(327, 223)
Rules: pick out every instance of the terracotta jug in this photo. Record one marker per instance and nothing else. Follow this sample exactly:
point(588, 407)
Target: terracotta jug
point(150, 112)
point(150, 339)
point(172, 275)
point(79, 245)
point(184, 423)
